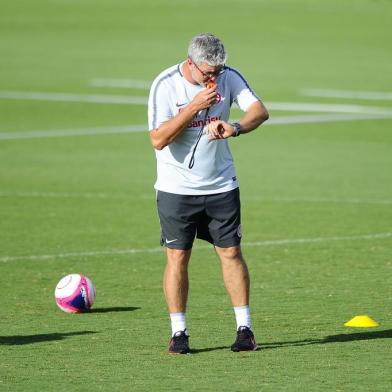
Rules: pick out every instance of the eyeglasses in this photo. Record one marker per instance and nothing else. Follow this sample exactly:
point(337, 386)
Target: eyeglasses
point(209, 75)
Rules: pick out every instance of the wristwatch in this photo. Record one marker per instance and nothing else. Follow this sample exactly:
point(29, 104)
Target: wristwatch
point(237, 128)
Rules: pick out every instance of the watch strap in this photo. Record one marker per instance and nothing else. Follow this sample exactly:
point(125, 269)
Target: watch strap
point(237, 128)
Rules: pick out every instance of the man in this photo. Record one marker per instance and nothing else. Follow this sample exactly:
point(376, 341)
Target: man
point(197, 187)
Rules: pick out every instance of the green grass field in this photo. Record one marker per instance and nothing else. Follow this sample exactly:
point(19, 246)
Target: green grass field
point(76, 195)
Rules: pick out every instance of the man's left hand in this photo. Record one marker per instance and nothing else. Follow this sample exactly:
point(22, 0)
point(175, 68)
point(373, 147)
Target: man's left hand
point(220, 130)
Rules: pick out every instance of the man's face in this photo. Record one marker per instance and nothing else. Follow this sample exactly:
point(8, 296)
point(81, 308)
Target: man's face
point(204, 72)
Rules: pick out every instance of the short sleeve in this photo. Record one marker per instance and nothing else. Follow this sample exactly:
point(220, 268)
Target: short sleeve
point(159, 109)
point(240, 91)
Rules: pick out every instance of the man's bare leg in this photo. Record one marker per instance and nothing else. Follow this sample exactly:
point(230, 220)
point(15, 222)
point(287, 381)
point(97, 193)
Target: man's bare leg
point(175, 286)
point(237, 283)
point(235, 275)
point(175, 279)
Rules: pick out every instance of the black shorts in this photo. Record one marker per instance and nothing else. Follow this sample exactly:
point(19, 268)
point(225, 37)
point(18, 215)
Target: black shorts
point(214, 218)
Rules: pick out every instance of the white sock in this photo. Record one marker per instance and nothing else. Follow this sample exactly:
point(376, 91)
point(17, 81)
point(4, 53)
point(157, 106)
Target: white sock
point(178, 322)
point(242, 316)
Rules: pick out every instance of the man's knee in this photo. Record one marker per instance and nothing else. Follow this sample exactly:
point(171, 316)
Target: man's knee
point(178, 256)
point(232, 253)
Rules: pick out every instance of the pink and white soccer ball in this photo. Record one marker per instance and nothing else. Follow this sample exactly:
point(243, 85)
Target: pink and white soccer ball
point(75, 293)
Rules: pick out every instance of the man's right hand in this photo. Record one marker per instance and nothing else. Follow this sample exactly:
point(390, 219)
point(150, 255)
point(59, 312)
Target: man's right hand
point(205, 98)
point(167, 132)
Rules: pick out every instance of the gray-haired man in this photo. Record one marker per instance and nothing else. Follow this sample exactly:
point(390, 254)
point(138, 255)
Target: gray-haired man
point(197, 187)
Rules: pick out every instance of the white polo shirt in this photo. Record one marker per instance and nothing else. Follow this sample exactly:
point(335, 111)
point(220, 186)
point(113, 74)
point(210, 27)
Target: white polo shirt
point(213, 170)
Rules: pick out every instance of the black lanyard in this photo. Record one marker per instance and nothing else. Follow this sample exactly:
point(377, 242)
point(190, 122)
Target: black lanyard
point(200, 134)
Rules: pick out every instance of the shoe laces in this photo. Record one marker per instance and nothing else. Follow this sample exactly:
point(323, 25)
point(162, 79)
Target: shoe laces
point(244, 333)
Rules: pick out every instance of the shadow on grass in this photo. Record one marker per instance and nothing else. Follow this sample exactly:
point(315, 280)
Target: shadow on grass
point(207, 349)
point(17, 340)
point(114, 309)
point(342, 338)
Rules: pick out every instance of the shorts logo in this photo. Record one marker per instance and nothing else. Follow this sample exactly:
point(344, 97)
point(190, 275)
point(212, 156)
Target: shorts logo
point(239, 231)
point(170, 241)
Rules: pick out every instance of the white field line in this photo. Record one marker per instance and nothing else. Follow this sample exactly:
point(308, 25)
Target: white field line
point(124, 196)
point(113, 252)
point(122, 83)
point(71, 97)
point(142, 100)
point(308, 92)
point(327, 107)
point(347, 94)
point(111, 130)
point(332, 200)
point(72, 195)
point(324, 118)
point(73, 132)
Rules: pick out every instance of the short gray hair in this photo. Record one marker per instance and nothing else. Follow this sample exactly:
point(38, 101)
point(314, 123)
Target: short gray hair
point(207, 48)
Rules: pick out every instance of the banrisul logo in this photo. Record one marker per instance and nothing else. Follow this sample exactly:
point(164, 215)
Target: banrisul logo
point(202, 122)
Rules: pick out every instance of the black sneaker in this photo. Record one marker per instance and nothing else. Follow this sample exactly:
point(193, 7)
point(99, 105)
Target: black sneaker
point(245, 340)
point(179, 343)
